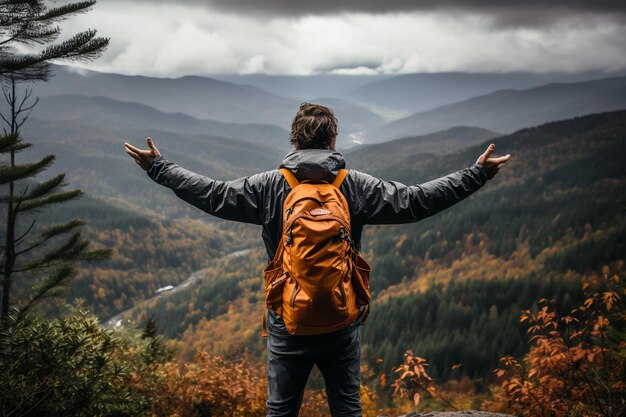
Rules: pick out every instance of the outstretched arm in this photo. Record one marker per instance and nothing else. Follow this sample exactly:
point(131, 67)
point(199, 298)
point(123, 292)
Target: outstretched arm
point(236, 200)
point(391, 202)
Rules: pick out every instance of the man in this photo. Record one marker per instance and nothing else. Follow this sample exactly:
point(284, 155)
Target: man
point(259, 199)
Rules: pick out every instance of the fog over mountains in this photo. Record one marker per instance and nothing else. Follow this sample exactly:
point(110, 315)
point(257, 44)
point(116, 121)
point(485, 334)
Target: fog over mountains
point(370, 109)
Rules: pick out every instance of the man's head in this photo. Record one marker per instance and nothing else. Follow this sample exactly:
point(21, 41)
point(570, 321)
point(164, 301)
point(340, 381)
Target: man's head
point(314, 127)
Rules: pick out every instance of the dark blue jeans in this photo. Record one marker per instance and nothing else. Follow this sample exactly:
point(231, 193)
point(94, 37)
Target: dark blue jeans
point(291, 358)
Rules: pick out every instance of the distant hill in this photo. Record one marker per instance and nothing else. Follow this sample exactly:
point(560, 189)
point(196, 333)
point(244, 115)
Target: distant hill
point(387, 154)
point(508, 110)
point(411, 93)
point(107, 112)
point(304, 87)
point(94, 159)
point(351, 119)
point(199, 97)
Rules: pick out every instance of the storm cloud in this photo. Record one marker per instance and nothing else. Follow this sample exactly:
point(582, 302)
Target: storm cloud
point(504, 11)
point(167, 38)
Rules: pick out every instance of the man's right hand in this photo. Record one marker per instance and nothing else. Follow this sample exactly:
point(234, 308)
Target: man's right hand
point(142, 157)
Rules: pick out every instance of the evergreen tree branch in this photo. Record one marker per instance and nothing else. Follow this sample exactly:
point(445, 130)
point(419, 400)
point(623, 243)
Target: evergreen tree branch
point(73, 250)
point(23, 24)
point(23, 206)
point(86, 256)
point(53, 231)
point(33, 20)
point(66, 252)
point(51, 287)
point(11, 142)
point(96, 255)
point(21, 146)
point(43, 188)
point(17, 172)
point(18, 239)
point(83, 46)
point(34, 33)
point(63, 11)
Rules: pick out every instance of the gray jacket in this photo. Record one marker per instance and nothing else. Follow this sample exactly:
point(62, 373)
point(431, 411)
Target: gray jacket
point(258, 199)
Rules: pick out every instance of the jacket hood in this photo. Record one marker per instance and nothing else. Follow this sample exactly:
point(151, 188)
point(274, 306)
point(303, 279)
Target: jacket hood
point(314, 164)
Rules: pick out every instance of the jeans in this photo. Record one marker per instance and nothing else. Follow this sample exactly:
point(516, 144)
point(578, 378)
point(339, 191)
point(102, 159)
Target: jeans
point(291, 358)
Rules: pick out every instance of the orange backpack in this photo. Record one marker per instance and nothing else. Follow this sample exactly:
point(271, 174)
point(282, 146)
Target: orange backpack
point(317, 280)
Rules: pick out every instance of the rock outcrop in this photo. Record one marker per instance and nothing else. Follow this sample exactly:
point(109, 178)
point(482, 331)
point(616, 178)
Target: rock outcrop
point(461, 413)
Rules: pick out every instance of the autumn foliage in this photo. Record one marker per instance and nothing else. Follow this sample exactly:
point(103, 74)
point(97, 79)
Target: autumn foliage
point(576, 365)
point(215, 386)
point(210, 385)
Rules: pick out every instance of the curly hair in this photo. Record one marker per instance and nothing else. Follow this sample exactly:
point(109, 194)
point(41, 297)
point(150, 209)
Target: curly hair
point(314, 127)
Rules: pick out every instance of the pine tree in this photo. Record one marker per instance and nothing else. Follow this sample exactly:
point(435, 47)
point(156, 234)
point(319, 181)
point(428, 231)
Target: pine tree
point(56, 263)
point(30, 23)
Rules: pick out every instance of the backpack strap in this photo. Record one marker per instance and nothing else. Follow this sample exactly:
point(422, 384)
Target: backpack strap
point(340, 177)
point(291, 179)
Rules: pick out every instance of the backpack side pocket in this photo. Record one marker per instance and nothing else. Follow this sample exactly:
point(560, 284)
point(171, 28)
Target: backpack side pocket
point(274, 284)
point(361, 279)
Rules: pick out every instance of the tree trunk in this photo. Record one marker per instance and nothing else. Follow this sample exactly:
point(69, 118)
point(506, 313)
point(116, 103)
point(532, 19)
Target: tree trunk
point(9, 253)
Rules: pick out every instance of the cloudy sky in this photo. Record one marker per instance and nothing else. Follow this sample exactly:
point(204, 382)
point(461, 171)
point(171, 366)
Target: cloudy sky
point(173, 38)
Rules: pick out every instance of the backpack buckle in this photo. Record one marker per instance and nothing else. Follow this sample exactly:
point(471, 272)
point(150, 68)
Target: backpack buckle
point(344, 236)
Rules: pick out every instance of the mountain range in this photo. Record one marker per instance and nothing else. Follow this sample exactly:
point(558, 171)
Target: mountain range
point(372, 110)
point(199, 97)
point(412, 93)
point(509, 110)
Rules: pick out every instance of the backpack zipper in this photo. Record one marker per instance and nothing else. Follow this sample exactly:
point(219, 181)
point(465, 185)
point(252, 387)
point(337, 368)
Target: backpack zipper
point(293, 295)
point(282, 278)
point(318, 218)
point(290, 209)
point(343, 293)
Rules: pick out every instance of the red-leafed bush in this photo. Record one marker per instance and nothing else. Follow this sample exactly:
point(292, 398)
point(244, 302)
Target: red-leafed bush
point(576, 365)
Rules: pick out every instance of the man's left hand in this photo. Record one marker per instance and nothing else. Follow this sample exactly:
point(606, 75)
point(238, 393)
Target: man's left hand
point(492, 165)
